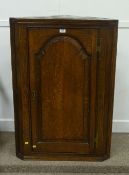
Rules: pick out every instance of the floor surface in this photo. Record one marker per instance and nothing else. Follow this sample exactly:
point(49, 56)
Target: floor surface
point(118, 163)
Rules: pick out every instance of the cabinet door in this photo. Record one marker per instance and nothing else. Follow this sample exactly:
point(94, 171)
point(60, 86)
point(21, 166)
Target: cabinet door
point(62, 89)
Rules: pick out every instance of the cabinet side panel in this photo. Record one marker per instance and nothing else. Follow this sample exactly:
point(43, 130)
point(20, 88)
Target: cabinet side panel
point(112, 86)
point(21, 88)
point(105, 90)
point(15, 92)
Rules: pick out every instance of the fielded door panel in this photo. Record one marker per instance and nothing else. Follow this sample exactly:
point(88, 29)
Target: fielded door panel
point(62, 65)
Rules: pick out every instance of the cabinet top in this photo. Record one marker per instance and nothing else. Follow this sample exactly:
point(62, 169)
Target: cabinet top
point(71, 17)
point(65, 19)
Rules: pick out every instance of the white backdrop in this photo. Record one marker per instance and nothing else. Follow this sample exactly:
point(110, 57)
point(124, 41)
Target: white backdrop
point(118, 9)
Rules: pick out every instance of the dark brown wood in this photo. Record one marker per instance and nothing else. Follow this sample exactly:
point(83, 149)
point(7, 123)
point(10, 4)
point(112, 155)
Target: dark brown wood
point(63, 83)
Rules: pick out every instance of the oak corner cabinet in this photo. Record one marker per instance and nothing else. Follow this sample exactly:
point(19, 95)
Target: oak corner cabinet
point(63, 86)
